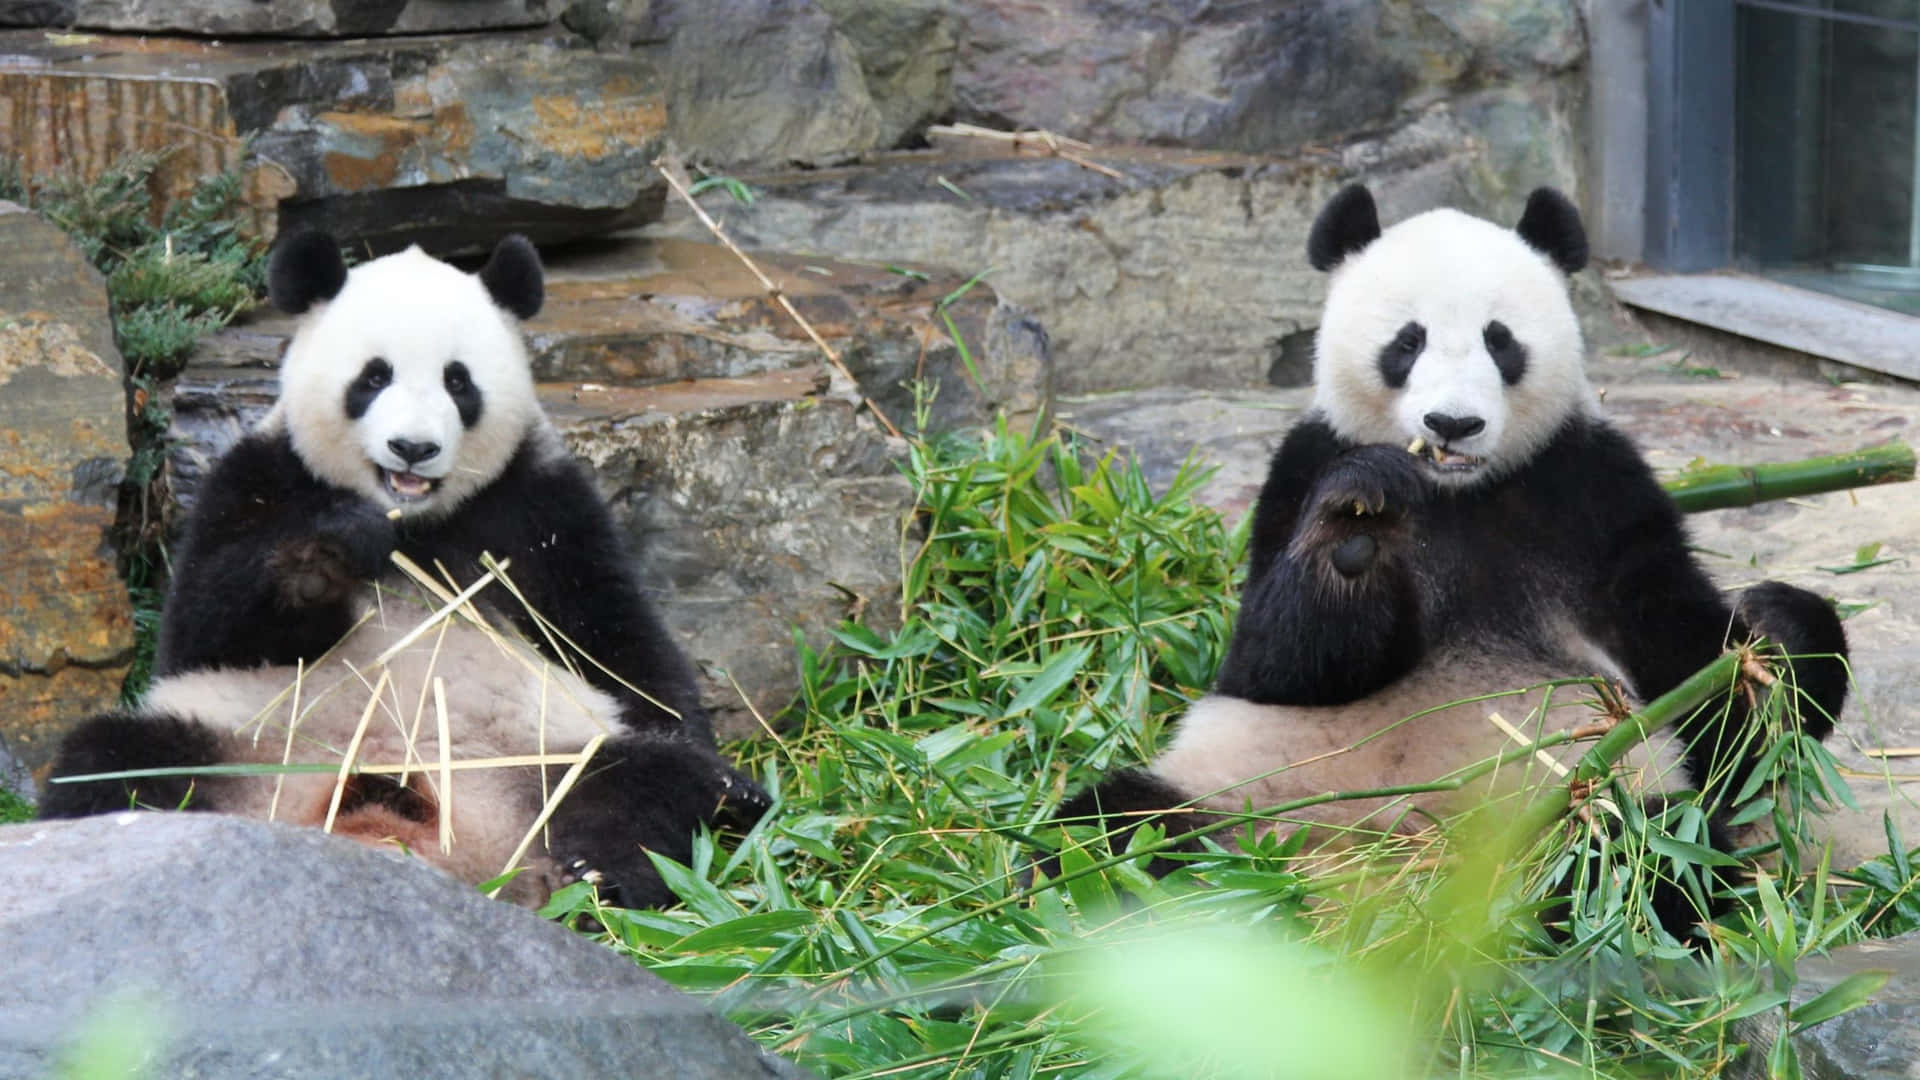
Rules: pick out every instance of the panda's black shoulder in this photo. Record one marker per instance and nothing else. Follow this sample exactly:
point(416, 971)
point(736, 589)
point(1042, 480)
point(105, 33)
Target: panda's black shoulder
point(543, 491)
point(259, 474)
point(1592, 463)
point(1586, 500)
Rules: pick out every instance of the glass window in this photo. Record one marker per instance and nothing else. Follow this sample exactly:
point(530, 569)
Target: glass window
point(1827, 146)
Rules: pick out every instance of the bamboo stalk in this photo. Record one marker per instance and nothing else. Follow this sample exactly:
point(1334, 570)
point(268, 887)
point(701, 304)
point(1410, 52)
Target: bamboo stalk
point(1719, 487)
point(1662, 712)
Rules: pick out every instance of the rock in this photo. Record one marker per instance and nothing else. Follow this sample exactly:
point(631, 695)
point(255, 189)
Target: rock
point(758, 505)
point(1188, 268)
point(239, 948)
point(1778, 416)
point(1877, 1041)
point(906, 50)
point(66, 625)
point(759, 496)
point(760, 81)
point(298, 18)
point(445, 141)
point(1244, 75)
point(15, 779)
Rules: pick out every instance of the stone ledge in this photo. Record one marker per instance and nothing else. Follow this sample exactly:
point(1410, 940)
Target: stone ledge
point(1784, 315)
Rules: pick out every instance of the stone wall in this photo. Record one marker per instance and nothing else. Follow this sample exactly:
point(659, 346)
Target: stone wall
point(66, 626)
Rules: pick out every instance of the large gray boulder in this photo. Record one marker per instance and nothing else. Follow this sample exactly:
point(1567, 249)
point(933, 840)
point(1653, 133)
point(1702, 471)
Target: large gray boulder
point(760, 81)
point(1878, 1041)
point(262, 950)
point(248, 949)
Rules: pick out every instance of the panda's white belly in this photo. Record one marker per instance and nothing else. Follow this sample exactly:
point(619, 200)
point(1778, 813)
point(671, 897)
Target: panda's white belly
point(1230, 754)
point(502, 700)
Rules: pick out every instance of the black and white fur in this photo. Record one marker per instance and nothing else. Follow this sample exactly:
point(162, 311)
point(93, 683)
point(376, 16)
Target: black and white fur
point(1527, 541)
point(408, 422)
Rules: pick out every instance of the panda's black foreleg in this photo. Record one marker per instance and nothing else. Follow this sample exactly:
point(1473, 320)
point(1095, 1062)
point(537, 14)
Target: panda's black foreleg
point(1805, 640)
point(270, 563)
point(641, 794)
point(1122, 802)
point(1335, 617)
point(1806, 631)
point(121, 742)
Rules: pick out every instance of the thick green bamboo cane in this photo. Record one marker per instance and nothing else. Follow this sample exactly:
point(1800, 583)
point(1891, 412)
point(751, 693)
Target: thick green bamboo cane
point(1718, 487)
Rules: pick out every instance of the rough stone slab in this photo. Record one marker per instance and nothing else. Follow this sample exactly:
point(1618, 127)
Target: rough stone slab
point(281, 18)
point(1749, 419)
point(446, 141)
point(1188, 269)
point(1793, 318)
point(760, 81)
point(1245, 76)
point(753, 519)
point(259, 950)
point(66, 626)
point(630, 311)
point(14, 777)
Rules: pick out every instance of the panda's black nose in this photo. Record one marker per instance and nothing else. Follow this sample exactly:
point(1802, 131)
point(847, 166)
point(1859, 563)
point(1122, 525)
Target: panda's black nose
point(1453, 427)
point(415, 452)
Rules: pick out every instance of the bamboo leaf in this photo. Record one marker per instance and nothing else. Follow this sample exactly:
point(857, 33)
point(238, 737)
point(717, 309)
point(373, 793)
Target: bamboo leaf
point(1848, 994)
point(1063, 667)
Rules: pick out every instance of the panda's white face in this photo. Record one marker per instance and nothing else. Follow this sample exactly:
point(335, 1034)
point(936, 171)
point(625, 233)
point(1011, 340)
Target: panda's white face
point(410, 386)
point(1453, 331)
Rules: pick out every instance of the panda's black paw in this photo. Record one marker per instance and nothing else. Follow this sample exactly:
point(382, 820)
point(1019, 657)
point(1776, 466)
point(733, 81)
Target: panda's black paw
point(1804, 631)
point(1370, 481)
point(329, 564)
point(1359, 509)
point(364, 534)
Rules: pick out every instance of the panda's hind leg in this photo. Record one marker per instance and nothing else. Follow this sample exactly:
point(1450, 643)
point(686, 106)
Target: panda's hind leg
point(640, 794)
point(124, 741)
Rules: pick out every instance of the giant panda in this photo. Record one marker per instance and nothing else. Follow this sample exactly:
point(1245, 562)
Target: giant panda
point(1453, 518)
point(407, 423)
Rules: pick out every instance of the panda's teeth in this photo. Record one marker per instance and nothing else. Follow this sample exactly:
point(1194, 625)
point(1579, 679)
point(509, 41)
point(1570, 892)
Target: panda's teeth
point(408, 485)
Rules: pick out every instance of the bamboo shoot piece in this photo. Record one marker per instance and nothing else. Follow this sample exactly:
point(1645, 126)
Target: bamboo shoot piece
point(1720, 487)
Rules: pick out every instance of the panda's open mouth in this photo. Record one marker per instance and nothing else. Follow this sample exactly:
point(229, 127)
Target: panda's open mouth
point(406, 486)
point(1443, 459)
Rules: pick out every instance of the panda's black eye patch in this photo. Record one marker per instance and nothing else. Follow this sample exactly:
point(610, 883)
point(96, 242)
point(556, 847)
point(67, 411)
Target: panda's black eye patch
point(466, 396)
point(1508, 354)
point(1396, 359)
point(375, 375)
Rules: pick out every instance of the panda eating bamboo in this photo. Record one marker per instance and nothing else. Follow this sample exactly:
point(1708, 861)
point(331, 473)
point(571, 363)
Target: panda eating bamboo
point(1454, 519)
point(407, 424)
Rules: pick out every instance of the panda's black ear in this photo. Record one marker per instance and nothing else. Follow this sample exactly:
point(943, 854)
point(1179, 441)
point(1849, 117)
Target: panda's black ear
point(1551, 226)
point(513, 277)
point(305, 268)
point(1346, 224)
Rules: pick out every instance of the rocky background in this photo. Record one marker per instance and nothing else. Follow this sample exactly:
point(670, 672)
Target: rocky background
point(762, 494)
